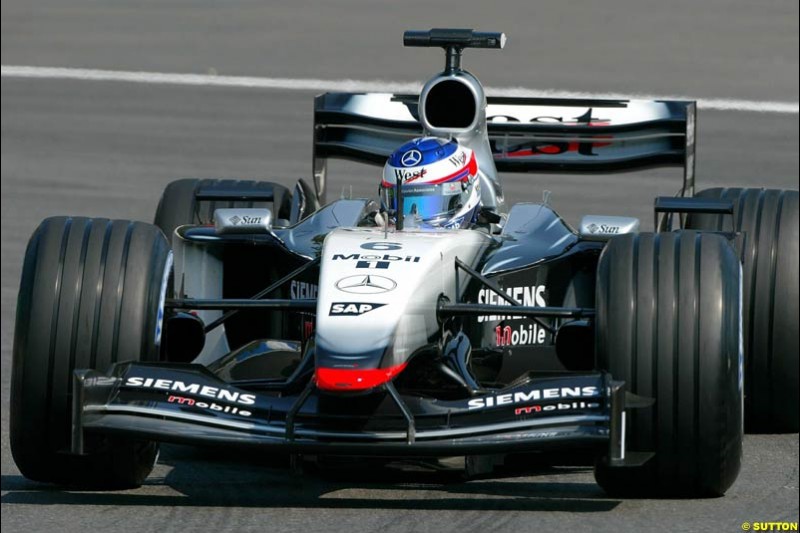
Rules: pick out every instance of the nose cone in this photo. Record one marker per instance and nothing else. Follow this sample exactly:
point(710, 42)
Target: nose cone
point(355, 379)
point(377, 300)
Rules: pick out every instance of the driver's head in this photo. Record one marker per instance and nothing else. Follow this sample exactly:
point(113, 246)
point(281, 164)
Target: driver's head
point(440, 182)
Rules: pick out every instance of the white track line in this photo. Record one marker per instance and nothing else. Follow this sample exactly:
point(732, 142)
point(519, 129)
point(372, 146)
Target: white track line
point(312, 84)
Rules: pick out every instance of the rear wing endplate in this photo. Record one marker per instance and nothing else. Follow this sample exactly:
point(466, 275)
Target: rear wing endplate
point(525, 134)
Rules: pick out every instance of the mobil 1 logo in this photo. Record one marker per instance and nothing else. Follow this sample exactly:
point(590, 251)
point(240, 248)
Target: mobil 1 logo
point(352, 308)
point(376, 260)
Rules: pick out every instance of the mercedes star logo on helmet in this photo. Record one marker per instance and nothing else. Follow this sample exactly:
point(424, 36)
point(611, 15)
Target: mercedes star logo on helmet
point(365, 284)
point(411, 158)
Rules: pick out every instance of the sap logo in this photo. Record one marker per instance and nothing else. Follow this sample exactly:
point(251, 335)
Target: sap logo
point(352, 308)
point(300, 290)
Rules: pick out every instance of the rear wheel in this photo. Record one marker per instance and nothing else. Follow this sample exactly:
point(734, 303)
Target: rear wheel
point(90, 296)
point(668, 325)
point(769, 220)
point(179, 204)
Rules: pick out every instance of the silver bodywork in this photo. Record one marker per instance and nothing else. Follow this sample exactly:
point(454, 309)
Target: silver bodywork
point(474, 136)
point(411, 270)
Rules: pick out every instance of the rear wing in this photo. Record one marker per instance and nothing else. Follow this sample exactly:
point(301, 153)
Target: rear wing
point(525, 134)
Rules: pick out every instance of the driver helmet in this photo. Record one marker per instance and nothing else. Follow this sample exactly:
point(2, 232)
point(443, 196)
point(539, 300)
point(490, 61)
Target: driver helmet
point(440, 183)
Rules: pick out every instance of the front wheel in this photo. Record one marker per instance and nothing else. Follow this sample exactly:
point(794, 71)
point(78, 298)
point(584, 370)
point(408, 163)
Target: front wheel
point(91, 295)
point(668, 322)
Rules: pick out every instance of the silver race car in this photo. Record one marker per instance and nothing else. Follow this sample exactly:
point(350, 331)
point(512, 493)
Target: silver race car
point(433, 321)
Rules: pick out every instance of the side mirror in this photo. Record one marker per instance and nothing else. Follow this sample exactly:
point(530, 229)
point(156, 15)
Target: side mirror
point(304, 202)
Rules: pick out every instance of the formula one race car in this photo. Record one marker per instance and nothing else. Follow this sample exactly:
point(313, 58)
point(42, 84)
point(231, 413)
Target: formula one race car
point(279, 322)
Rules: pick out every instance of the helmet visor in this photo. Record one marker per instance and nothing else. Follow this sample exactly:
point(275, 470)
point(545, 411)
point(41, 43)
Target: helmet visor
point(430, 203)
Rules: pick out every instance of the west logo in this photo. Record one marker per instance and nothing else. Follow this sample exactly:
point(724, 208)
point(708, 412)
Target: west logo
point(458, 160)
point(408, 175)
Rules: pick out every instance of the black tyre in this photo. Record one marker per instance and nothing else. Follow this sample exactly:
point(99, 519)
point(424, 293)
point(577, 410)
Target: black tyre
point(769, 220)
point(668, 325)
point(179, 204)
point(89, 297)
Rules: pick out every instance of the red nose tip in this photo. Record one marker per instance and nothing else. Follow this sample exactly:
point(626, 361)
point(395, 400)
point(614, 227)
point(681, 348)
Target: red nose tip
point(349, 379)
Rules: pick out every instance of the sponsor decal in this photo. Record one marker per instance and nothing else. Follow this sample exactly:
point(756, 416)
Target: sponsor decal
point(533, 296)
point(237, 220)
point(216, 393)
point(536, 409)
point(301, 290)
point(352, 308)
point(411, 158)
point(603, 228)
point(535, 148)
point(376, 260)
point(458, 160)
point(520, 335)
point(191, 402)
point(365, 284)
point(532, 396)
point(409, 175)
point(585, 119)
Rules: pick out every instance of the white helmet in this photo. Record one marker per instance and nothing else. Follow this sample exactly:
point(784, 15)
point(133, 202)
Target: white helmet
point(441, 187)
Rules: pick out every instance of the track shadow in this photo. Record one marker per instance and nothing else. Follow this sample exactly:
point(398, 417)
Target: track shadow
point(204, 478)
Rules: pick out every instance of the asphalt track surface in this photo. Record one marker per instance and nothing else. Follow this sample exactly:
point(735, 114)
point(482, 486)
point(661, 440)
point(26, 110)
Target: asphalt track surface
point(108, 149)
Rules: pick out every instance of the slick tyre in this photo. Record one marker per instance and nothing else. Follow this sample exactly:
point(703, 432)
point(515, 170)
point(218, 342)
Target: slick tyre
point(90, 296)
point(668, 326)
point(179, 204)
point(768, 219)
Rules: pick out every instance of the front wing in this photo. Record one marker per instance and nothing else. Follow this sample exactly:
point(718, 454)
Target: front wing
point(187, 404)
